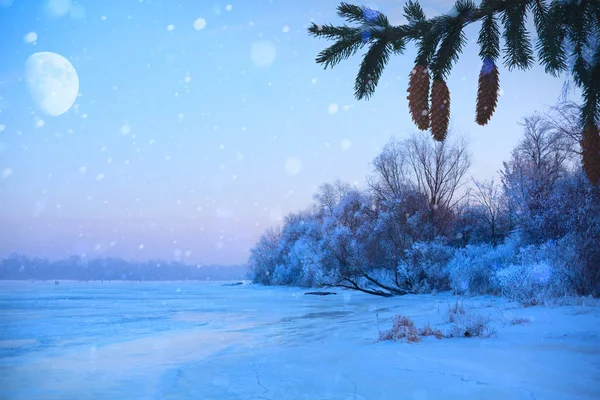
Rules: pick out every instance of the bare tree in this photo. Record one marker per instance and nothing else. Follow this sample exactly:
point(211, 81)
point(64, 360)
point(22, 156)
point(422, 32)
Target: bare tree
point(490, 199)
point(564, 119)
point(390, 168)
point(328, 196)
point(538, 161)
point(547, 148)
point(438, 170)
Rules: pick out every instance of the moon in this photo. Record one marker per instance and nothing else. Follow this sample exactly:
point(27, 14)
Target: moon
point(52, 81)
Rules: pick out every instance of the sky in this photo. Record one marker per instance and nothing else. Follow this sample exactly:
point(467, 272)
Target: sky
point(199, 124)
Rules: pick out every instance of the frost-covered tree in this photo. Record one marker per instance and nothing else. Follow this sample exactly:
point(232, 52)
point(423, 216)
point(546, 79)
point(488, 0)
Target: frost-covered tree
point(297, 253)
point(264, 256)
point(351, 254)
point(572, 215)
point(540, 159)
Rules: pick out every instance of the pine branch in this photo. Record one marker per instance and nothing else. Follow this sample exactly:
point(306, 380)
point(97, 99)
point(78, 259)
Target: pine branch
point(517, 52)
point(428, 43)
point(351, 13)
point(590, 112)
point(371, 68)
point(349, 41)
point(489, 38)
point(413, 12)
point(580, 22)
point(551, 36)
point(453, 39)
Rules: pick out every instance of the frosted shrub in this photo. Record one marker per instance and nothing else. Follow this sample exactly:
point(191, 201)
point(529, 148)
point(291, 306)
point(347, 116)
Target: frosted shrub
point(542, 273)
point(424, 269)
point(529, 284)
point(471, 325)
point(284, 275)
point(472, 269)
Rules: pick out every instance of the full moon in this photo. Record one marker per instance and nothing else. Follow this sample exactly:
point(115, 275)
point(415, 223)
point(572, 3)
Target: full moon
point(52, 82)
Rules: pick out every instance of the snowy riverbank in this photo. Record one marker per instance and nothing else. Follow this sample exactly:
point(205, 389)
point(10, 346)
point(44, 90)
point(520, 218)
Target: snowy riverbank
point(205, 341)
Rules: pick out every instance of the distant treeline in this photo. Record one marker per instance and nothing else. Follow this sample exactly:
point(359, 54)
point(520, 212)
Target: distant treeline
point(18, 267)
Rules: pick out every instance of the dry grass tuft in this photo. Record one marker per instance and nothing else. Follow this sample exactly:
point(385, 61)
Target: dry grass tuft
point(454, 311)
point(404, 328)
point(427, 330)
point(519, 321)
point(471, 325)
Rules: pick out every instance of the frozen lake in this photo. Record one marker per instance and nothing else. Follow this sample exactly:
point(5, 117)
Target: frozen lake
point(204, 341)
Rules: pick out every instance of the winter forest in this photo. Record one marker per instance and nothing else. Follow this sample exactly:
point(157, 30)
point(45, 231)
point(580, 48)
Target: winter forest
point(424, 225)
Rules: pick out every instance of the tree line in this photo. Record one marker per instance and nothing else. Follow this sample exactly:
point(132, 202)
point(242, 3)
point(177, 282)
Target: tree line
point(421, 224)
point(19, 267)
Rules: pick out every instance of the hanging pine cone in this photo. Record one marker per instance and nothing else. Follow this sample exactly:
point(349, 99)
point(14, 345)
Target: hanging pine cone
point(440, 110)
point(418, 96)
point(590, 145)
point(487, 95)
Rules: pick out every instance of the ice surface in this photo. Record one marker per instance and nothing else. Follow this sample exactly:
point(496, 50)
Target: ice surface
point(204, 341)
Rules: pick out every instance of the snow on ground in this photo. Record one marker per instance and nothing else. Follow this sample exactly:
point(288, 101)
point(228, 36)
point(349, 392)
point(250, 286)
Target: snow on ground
point(205, 341)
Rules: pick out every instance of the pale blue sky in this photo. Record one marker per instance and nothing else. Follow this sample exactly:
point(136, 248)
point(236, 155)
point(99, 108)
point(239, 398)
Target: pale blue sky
point(182, 145)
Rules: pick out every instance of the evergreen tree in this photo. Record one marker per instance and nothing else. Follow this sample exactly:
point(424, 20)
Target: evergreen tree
point(568, 40)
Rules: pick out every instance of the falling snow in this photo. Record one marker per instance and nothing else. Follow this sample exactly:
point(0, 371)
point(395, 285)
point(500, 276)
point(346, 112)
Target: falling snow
point(199, 24)
point(346, 144)
point(6, 173)
point(31, 37)
point(293, 166)
point(125, 129)
point(333, 108)
point(263, 53)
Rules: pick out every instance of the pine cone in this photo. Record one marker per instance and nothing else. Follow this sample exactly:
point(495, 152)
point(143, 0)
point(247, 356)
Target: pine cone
point(418, 96)
point(487, 95)
point(590, 145)
point(440, 110)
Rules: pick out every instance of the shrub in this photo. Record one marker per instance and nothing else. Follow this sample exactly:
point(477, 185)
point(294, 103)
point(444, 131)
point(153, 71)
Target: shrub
point(471, 325)
point(530, 285)
point(424, 269)
point(472, 269)
point(466, 324)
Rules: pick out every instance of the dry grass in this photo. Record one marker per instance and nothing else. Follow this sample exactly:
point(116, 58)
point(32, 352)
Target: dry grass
point(427, 330)
point(464, 324)
point(519, 321)
point(471, 325)
point(403, 328)
point(454, 311)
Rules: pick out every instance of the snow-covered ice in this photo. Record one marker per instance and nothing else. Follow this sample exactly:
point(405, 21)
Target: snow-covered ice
point(204, 341)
